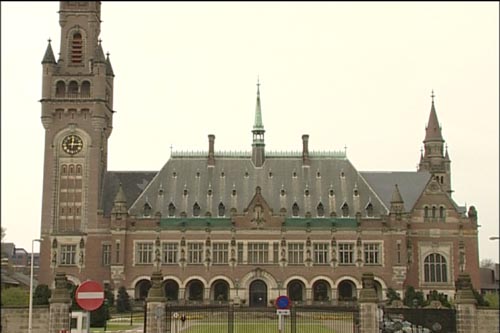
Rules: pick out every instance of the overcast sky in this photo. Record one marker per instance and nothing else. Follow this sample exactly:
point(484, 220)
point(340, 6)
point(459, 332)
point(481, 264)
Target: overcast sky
point(355, 75)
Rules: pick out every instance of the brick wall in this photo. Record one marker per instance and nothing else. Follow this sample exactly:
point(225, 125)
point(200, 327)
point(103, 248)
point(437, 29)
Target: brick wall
point(488, 320)
point(15, 319)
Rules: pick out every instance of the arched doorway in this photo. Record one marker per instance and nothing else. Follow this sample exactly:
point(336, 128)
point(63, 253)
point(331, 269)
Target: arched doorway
point(346, 291)
point(194, 291)
point(378, 290)
point(141, 289)
point(295, 290)
point(321, 291)
point(258, 294)
point(171, 289)
point(220, 291)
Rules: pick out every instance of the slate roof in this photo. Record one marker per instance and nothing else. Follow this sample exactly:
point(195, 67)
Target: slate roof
point(133, 183)
point(410, 185)
point(237, 172)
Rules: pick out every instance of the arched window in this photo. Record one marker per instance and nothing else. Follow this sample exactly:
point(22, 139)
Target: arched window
point(433, 212)
point(85, 89)
point(60, 89)
point(426, 212)
point(320, 210)
point(295, 209)
point(77, 48)
point(195, 291)
point(435, 268)
point(196, 209)
point(171, 290)
point(73, 89)
point(147, 209)
point(78, 169)
point(369, 210)
point(345, 210)
point(321, 291)
point(171, 209)
point(64, 169)
point(222, 209)
point(296, 291)
point(441, 212)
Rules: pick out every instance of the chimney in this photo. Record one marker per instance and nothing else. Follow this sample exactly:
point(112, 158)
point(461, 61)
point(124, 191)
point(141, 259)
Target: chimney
point(211, 158)
point(305, 149)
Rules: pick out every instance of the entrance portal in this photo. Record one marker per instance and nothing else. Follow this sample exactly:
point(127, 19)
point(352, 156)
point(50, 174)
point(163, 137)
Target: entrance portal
point(258, 294)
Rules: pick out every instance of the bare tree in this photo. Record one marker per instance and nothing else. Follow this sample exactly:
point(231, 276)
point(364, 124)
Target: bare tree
point(487, 263)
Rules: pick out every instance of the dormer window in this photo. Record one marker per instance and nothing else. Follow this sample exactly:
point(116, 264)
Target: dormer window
point(426, 212)
point(331, 193)
point(320, 210)
point(196, 209)
point(185, 193)
point(147, 209)
point(171, 209)
point(295, 209)
point(345, 210)
point(369, 210)
point(222, 210)
point(282, 192)
point(441, 212)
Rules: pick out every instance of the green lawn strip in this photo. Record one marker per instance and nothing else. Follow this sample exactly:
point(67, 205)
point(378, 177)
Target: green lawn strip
point(254, 328)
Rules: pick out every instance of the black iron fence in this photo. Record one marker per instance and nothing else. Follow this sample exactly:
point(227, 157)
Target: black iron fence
point(231, 319)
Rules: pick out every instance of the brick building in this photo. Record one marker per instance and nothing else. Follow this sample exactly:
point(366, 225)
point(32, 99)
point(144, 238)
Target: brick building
point(234, 225)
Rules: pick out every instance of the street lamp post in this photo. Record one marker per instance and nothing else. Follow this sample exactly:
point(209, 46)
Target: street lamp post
point(30, 312)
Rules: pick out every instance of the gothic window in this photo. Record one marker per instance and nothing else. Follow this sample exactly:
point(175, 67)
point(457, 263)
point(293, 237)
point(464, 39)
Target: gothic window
point(369, 210)
point(433, 211)
point(331, 193)
point(171, 209)
point(60, 89)
point(441, 212)
point(73, 89)
point(320, 210)
point(222, 209)
point(76, 48)
point(64, 170)
point(147, 209)
point(435, 268)
point(282, 192)
point(86, 89)
point(295, 209)
point(345, 210)
point(196, 209)
point(426, 212)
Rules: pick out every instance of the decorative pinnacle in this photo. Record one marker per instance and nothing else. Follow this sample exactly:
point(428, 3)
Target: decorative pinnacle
point(49, 40)
point(107, 54)
point(100, 41)
point(258, 85)
point(432, 95)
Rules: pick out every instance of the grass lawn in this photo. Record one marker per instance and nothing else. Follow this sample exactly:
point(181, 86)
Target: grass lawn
point(254, 328)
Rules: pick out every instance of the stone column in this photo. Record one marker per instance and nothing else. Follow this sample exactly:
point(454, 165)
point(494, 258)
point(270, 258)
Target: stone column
point(60, 304)
point(155, 305)
point(465, 305)
point(368, 308)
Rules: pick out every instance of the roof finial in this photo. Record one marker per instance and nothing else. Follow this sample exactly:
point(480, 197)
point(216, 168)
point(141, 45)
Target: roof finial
point(258, 85)
point(49, 40)
point(432, 96)
point(100, 41)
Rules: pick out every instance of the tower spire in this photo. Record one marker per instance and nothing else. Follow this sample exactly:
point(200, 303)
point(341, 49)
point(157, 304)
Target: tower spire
point(258, 145)
point(433, 130)
point(49, 58)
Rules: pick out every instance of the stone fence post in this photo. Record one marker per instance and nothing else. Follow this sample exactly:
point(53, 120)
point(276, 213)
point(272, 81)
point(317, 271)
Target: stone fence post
point(368, 308)
point(155, 305)
point(60, 304)
point(465, 305)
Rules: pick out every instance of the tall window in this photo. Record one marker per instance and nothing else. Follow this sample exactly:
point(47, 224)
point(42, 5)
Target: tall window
point(222, 209)
point(171, 209)
point(276, 252)
point(433, 212)
point(372, 253)
point(170, 253)
point(435, 268)
point(346, 253)
point(117, 252)
point(106, 254)
point(76, 48)
point(240, 253)
point(68, 253)
point(321, 253)
point(258, 253)
point(295, 253)
point(144, 253)
point(196, 209)
point(369, 210)
point(441, 212)
point(195, 253)
point(220, 253)
point(398, 250)
point(345, 210)
point(426, 212)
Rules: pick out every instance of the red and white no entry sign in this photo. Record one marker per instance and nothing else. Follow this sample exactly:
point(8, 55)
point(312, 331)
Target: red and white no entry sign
point(89, 295)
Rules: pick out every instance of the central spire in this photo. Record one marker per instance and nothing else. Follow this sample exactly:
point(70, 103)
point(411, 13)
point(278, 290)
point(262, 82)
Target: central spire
point(258, 131)
point(258, 125)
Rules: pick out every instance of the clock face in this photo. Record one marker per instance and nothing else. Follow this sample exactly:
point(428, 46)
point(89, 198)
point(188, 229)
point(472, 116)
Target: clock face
point(72, 144)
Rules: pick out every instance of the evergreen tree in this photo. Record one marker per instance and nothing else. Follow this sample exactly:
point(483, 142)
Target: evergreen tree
point(392, 295)
point(413, 298)
point(41, 295)
point(122, 300)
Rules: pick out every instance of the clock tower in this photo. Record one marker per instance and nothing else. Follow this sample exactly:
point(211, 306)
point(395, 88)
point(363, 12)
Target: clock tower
point(77, 114)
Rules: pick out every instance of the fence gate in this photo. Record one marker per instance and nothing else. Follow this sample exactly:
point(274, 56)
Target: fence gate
point(419, 320)
point(229, 319)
